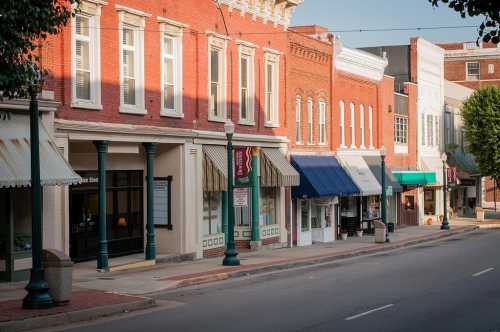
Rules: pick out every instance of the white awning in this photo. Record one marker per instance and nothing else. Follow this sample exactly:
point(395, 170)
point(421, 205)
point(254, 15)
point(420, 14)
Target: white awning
point(15, 158)
point(361, 174)
point(276, 170)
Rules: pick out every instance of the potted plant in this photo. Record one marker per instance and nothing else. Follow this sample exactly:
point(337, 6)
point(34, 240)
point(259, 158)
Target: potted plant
point(343, 234)
point(359, 232)
point(480, 214)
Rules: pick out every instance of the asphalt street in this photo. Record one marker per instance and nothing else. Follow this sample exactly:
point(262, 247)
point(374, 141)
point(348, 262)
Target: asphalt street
point(451, 285)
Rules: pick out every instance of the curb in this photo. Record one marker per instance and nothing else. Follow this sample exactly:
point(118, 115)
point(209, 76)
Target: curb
point(317, 260)
point(75, 316)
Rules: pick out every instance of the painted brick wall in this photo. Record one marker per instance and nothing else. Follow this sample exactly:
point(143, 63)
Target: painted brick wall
point(200, 16)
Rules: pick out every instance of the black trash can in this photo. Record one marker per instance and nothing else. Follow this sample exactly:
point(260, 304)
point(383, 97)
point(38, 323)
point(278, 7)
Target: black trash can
point(390, 227)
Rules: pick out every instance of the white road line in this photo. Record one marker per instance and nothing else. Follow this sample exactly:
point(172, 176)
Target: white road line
point(369, 312)
point(483, 272)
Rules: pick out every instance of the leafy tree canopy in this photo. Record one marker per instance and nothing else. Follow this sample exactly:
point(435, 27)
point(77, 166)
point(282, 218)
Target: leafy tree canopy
point(481, 115)
point(489, 30)
point(24, 25)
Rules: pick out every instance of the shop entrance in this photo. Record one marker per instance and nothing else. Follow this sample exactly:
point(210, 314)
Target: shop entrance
point(125, 215)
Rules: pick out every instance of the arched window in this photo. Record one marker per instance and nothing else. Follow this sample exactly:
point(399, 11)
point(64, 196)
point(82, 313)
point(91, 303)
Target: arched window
point(370, 126)
point(309, 121)
point(342, 123)
point(298, 119)
point(362, 125)
point(352, 121)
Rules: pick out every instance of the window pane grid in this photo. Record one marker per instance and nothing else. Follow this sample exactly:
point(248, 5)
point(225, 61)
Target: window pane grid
point(128, 65)
point(82, 58)
point(401, 129)
point(169, 75)
point(215, 83)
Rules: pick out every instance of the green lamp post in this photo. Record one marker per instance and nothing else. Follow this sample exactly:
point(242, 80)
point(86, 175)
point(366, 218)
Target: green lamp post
point(383, 153)
point(445, 225)
point(231, 255)
point(38, 296)
point(150, 227)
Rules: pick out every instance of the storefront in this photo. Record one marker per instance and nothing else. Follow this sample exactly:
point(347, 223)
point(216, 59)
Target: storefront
point(316, 200)
point(15, 194)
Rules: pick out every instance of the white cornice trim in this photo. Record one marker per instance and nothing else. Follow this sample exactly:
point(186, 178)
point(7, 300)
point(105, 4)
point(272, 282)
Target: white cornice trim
point(245, 43)
point(171, 22)
point(210, 33)
point(359, 62)
point(132, 11)
point(272, 51)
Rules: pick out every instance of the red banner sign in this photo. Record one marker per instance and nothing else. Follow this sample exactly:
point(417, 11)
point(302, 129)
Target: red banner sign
point(242, 164)
point(451, 175)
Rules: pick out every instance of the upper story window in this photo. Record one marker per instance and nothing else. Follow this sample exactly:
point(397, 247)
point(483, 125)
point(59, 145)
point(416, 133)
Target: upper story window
point(86, 70)
point(298, 119)
point(171, 67)
point(401, 129)
point(370, 126)
point(271, 88)
point(342, 123)
point(422, 133)
point(473, 71)
point(217, 77)
point(247, 83)
point(430, 130)
point(437, 131)
point(309, 121)
point(132, 98)
point(352, 121)
point(362, 125)
point(491, 68)
point(322, 122)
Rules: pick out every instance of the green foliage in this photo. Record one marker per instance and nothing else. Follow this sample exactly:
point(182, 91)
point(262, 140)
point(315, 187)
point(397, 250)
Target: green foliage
point(489, 30)
point(24, 25)
point(481, 115)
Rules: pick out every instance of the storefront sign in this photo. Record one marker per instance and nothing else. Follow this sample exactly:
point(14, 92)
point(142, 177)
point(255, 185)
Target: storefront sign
point(451, 174)
point(242, 165)
point(240, 197)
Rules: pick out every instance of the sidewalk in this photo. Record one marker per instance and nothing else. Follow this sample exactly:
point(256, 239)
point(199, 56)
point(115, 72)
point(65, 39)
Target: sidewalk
point(487, 223)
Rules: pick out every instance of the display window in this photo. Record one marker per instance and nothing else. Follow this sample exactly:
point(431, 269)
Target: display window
point(304, 214)
point(268, 206)
point(243, 214)
point(429, 201)
point(212, 213)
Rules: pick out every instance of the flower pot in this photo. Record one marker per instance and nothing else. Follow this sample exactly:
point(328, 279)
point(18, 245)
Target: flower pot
point(359, 233)
point(343, 236)
point(429, 221)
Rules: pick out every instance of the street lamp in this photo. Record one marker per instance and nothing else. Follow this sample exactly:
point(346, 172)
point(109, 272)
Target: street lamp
point(231, 255)
point(445, 225)
point(383, 153)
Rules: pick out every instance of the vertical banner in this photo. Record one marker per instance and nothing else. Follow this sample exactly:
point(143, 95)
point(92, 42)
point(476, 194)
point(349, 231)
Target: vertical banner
point(451, 173)
point(242, 165)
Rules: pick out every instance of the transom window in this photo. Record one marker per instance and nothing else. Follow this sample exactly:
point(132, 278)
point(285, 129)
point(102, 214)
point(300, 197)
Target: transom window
point(473, 71)
point(322, 122)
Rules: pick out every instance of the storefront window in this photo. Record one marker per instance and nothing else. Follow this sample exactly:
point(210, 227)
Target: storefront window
point(268, 206)
point(21, 210)
point(371, 207)
point(316, 216)
point(429, 201)
point(125, 217)
point(243, 215)
point(328, 216)
point(212, 213)
point(304, 212)
point(409, 203)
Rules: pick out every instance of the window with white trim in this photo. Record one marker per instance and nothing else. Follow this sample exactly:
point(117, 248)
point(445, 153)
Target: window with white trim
point(86, 80)
point(473, 73)
point(370, 126)
point(217, 78)
point(322, 122)
point(352, 122)
point(271, 89)
point(171, 65)
point(491, 68)
point(131, 36)
point(437, 130)
point(309, 121)
point(246, 84)
point(298, 119)
point(212, 213)
point(430, 130)
point(362, 125)
point(401, 129)
point(342, 123)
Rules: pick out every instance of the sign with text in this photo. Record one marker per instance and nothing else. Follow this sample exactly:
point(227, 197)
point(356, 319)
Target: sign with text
point(242, 165)
point(240, 197)
point(451, 175)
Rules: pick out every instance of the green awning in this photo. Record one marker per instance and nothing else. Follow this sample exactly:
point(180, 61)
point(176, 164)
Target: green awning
point(413, 178)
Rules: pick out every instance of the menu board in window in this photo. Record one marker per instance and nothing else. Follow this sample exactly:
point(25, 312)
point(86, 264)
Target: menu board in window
point(161, 207)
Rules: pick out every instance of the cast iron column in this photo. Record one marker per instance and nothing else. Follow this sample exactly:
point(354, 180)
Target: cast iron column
point(255, 184)
point(102, 258)
point(445, 224)
point(150, 227)
point(231, 255)
point(384, 199)
point(38, 296)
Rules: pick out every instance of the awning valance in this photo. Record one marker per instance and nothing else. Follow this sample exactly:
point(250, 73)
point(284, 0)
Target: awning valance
point(214, 168)
point(15, 155)
point(375, 165)
point(361, 174)
point(321, 176)
point(415, 178)
point(276, 171)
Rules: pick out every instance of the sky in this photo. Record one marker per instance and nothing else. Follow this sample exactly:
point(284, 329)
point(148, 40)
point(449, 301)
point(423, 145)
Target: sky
point(374, 14)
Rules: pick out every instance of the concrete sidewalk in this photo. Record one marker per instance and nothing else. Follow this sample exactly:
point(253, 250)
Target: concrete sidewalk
point(174, 275)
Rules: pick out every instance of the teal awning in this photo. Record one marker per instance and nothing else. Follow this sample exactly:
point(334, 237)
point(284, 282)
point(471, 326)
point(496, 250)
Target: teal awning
point(414, 178)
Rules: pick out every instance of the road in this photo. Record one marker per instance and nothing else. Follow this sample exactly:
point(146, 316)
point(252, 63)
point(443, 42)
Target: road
point(451, 285)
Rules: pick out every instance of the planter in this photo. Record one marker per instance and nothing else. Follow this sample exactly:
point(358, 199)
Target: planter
point(359, 233)
point(343, 236)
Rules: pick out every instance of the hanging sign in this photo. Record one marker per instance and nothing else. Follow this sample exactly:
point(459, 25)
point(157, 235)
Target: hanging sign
point(242, 165)
point(240, 197)
point(451, 175)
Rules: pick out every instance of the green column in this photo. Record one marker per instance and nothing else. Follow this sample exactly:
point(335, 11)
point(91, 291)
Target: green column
point(150, 227)
point(102, 258)
point(231, 255)
point(255, 185)
point(225, 215)
point(38, 296)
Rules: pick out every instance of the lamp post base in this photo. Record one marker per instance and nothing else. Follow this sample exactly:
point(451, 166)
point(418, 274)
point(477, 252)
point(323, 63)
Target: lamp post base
point(38, 296)
point(231, 258)
point(445, 226)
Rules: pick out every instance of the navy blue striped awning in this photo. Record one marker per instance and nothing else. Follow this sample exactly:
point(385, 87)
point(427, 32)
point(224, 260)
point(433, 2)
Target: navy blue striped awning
point(321, 176)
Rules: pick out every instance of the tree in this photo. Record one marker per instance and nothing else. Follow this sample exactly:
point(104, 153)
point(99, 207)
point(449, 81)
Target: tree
point(481, 115)
point(24, 25)
point(489, 30)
